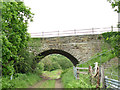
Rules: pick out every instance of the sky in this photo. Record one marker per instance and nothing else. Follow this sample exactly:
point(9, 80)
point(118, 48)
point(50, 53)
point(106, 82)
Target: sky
point(54, 15)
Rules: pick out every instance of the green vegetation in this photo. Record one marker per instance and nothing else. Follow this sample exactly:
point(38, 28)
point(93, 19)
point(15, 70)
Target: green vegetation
point(115, 5)
point(20, 80)
point(53, 74)
point(112, 72)
point(15, 18)
point(106, 56)
point(69, 80)
point(56, 61)
point(48, 84)
point(113, 39)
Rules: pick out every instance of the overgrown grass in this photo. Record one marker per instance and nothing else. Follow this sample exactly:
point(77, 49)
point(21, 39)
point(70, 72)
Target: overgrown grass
point(112, 72)
point(20, 80)
point(53, 74)
point(48, 84)
point(69, 80)
point(106, 56)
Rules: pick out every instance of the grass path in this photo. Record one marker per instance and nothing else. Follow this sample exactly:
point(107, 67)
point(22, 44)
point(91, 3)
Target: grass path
point(37, 84)
point(48, 84)
point(58, 84)
point(49, 80)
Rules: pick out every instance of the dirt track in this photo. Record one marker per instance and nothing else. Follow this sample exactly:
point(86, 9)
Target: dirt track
point(58, 83)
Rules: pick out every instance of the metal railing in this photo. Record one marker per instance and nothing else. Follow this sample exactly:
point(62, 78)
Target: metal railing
point(112, 83)
point(74, 32)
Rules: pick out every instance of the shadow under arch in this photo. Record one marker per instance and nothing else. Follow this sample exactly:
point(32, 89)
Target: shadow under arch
point(56, 51)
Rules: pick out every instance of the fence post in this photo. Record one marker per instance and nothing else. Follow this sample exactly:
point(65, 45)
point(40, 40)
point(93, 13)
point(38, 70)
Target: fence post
point(96, 66)
point(90, 72)
point(98, 80)
point(102, 79)
point(75, 72)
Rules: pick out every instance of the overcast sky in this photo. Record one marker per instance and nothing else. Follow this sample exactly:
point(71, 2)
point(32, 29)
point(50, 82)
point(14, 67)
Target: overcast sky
point(53, 15)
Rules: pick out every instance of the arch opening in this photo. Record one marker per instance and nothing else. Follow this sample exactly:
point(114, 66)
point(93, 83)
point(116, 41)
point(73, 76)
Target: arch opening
point(55, 51)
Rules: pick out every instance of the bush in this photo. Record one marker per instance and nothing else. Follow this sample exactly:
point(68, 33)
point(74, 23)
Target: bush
point(39, 68)
point(54, 62)
point(113, 38)
point(47, 64)
point(26, 62)
point(62, 61)
point(55, 66)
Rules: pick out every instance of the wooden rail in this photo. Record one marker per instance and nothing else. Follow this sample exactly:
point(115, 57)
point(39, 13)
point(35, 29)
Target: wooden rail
point(97, 77)
point(81, 72)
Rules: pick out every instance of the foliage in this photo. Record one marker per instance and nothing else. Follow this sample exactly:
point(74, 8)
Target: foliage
point(15, 18)
point(20, 80)
point(52, 74)
point(113, 38)
point(115, 4)
point(61, 60)
point(53, 62)
point(56, 66)
point(25, 65)
point(47, 64)
point(106, 56)
point(112, 72)
point(39, 68)
point(70, 82)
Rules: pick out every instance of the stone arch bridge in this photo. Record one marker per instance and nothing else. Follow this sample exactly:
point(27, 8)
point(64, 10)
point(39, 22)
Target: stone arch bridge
point(76, 48)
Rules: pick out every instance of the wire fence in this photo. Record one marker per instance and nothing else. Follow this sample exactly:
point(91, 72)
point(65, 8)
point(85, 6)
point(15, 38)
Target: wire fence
point(82, 62)
point(74, 32)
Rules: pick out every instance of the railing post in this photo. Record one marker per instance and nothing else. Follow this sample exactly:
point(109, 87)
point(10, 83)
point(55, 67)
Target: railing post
point(92, 30)
point(111, 28)
point(119, 21)
point(58, 32)
point(43, 34)
point(74, 31)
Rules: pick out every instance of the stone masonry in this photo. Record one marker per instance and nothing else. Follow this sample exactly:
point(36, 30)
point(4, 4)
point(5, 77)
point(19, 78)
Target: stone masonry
point(81, 47)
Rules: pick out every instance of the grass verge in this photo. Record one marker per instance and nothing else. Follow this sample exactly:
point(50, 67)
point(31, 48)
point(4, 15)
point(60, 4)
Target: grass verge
point(69, 81)
point(100, 59)
point(20, 80)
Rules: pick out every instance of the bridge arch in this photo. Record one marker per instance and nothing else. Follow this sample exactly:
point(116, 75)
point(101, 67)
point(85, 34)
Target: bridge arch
point(56, 51)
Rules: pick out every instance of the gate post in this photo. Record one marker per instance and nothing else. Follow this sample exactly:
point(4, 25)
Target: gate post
point(102, 78)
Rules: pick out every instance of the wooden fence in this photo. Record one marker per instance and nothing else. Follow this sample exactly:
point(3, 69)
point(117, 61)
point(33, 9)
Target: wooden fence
point(97, 77)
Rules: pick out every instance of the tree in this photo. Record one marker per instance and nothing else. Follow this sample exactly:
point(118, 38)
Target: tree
point(114, 39)
point(15, 18)
point(115, 4)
